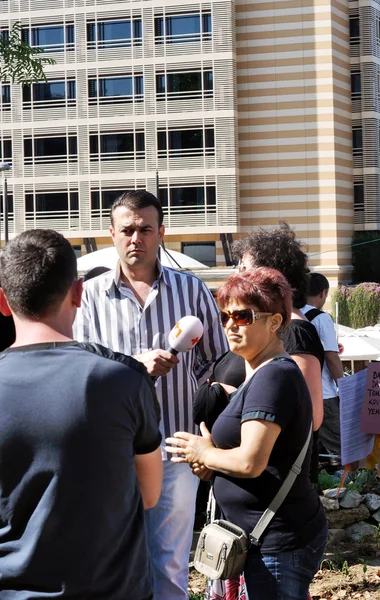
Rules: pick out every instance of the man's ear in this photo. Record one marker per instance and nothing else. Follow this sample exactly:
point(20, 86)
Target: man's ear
point(161, 232)
point(77, 289)
point(112, 232)
point(4, 306)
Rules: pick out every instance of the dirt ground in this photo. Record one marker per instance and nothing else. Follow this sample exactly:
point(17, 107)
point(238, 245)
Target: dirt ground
point(350, 573)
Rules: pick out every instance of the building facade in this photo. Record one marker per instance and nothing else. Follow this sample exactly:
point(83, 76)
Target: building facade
point(243, 108)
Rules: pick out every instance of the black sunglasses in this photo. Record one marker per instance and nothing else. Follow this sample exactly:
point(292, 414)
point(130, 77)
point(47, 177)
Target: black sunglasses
point(245, 316)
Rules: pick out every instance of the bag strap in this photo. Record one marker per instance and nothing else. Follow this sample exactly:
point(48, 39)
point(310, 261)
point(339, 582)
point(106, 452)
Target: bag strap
point(312, 313)
point(268, 515)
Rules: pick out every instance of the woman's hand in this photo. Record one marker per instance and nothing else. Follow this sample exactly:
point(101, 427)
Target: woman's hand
point(202, 472)
point(190, 448)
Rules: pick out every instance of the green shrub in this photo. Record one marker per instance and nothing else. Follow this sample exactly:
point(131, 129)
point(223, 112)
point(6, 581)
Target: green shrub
point(359, 306)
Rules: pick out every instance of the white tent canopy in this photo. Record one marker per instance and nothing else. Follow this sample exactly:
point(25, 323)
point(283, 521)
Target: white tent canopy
point(358, 344)
point(108, 257)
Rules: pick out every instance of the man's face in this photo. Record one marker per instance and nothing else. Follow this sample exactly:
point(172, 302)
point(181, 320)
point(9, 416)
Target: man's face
point(136, 235)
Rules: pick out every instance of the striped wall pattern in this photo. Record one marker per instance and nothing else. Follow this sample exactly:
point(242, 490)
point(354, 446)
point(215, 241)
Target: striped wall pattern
point(295, 147)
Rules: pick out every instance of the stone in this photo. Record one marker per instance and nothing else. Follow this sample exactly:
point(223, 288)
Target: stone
point(334, 493)
point(330, 503)
point(335, 537)
point(376, 516)
point(338, 519)
point(351, 499)
point(372, 502)
point(360, 532)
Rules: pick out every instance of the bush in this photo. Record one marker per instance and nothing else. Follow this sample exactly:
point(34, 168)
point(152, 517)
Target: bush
point(359, 306)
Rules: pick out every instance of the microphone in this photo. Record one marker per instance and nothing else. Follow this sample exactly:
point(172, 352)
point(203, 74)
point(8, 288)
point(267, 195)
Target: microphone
point(184, 336)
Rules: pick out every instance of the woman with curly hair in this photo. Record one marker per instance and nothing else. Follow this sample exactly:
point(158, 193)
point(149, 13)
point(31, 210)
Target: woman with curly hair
point(256, 439)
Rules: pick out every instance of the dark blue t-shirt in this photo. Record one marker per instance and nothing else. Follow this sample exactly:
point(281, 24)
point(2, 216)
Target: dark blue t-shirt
point(71, 513)
point(276, 392)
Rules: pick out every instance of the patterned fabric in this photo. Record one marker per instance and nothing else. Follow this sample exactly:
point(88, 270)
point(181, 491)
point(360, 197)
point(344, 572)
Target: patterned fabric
point(111, 315)
point(232, 589)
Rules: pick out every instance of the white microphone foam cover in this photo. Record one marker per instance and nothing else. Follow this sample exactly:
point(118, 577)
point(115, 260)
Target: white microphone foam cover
point(185, 334)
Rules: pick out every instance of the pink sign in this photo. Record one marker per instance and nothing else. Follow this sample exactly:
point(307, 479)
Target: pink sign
point(370, 421)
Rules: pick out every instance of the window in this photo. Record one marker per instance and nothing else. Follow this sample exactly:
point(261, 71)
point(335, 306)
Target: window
point(115, 90)
point(204, 252)
point(184, 85)
point(358, 196)
point(357, 141)
point(188, 200)
point(5, 150)
point(50, 149)
point(378, 29)
point(356, 84)
point(183, 28)
point(50, 38)
point(4, 34)
point(49, 94)
point(354, 30)
point(9, 206)
point(50, 205)
point(185, 142)
point(117, 146)
point(103, 200)
point(114, 34)
point(5, 97)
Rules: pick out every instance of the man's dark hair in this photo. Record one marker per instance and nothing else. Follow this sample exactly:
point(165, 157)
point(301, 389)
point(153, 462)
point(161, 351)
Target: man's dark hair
point(278, 249)
point(136, 199)
point(317, 284)
point(95, 272)
point(37, 269)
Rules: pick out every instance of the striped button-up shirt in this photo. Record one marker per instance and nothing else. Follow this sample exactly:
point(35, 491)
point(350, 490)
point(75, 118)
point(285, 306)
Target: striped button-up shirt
point(111, 315)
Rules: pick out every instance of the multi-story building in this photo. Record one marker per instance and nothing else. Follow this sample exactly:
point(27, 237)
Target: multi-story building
point(243, 108)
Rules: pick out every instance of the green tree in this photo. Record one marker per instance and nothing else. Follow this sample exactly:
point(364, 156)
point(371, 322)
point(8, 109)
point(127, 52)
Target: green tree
point(19, 63)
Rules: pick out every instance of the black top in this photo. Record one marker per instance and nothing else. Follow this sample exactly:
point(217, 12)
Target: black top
point(7, 332)
point(71, 512)
point(277, 392)
point(210, 400)
point(301, 337)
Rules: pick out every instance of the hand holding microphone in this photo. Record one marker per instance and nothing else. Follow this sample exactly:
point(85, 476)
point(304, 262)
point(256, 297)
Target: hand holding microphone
point(182, 338)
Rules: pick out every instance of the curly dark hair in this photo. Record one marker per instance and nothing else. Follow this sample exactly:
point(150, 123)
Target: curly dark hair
point(279, 249)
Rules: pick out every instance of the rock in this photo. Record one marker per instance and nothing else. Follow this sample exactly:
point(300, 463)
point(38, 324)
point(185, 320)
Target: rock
point(330, 503)
point(376, 516)
point(334, 493)
point(352, 499)
point(359, 532)
point(338, 519)
point(336, 536)
point(372, 502)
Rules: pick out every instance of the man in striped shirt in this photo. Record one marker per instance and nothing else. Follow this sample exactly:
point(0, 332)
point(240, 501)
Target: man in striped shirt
point(132, 310)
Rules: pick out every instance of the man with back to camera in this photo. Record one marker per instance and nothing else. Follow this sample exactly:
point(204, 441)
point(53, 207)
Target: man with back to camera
point(79, 442)
point(132, 310)
point(329, 433)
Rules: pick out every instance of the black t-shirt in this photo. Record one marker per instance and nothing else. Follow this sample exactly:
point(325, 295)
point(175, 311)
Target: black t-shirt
point(301, 337)
point(71, 513)
point(276, 392)
point(7, 332)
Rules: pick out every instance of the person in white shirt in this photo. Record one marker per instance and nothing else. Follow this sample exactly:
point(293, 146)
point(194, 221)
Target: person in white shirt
point(329, 433)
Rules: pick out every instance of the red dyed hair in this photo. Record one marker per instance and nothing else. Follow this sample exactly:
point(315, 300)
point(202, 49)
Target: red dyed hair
point(264, 288)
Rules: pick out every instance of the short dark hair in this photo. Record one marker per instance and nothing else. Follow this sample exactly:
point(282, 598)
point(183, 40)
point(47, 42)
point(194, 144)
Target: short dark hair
point(37, 269)
point(263, 287)
point(136, 199)
point(278, 249)
point(95, 272)
point(317, 284)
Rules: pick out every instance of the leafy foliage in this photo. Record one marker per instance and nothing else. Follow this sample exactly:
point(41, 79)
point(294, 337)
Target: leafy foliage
point(19, 63)
point(359, 306)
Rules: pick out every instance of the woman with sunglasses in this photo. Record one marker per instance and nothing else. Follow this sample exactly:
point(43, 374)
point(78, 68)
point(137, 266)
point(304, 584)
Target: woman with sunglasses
point(256, 439)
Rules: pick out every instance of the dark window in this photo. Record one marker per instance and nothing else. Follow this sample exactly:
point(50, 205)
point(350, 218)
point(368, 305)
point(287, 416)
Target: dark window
point(114, 34)
point(184, 85)
point(356, 85)
point(104, 199)
point(205, 252)
point(48, 203)
point(189, 200)
point(52, 92)
point(5, 97)
point(183, 28)
point(50, 149)
point(51, 38)
point(358, 197)
point(4, 34)
point(116, 146)
point(9, 205)
point(354, 28)
point(185, 142)
point(6, 150)
point(357, 139)
point(116, 89)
